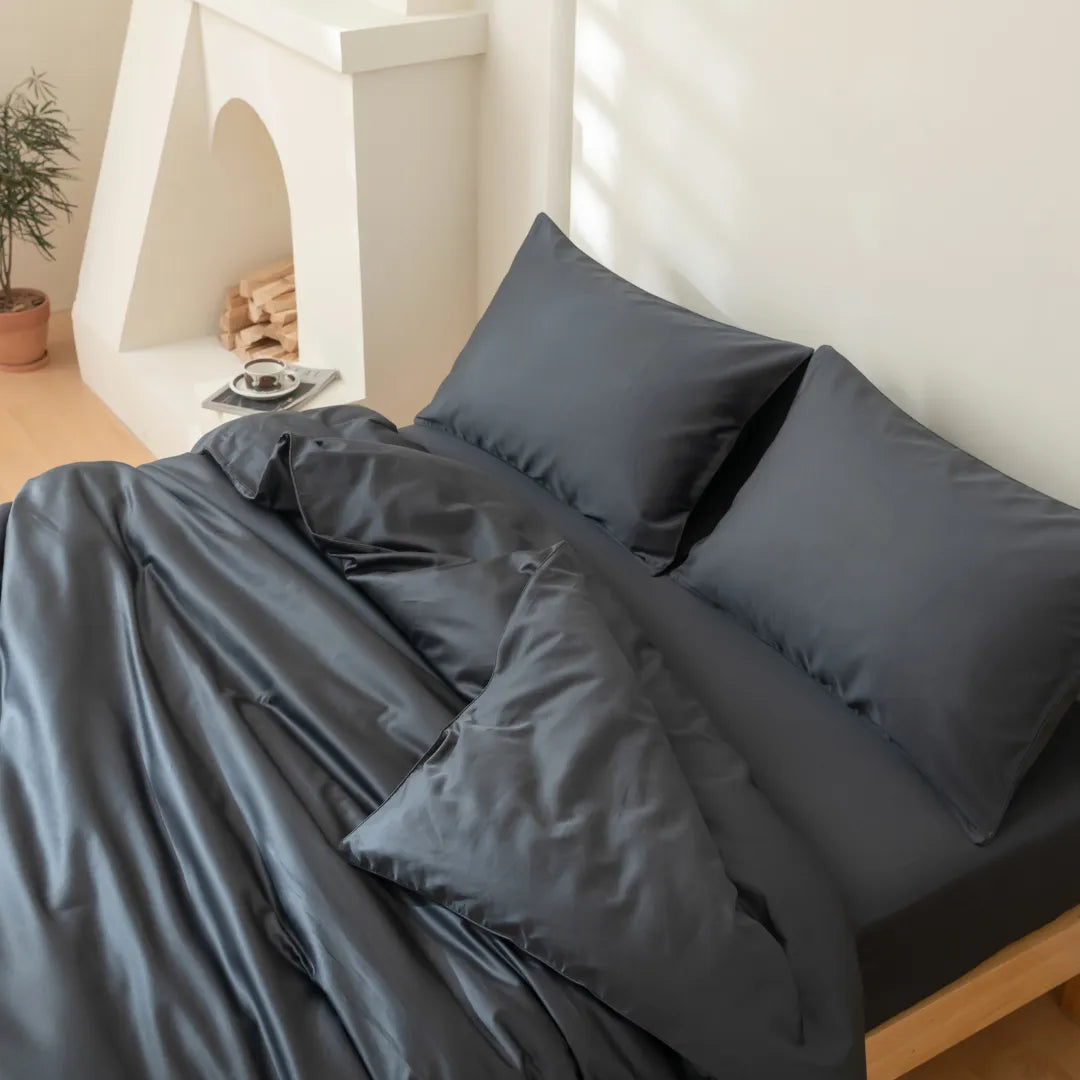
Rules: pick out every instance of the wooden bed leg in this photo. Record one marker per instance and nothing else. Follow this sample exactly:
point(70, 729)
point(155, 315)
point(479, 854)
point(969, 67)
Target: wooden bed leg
point(1069, 999)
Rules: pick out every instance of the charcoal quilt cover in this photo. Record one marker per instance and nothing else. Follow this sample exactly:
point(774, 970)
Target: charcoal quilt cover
point(321, 758)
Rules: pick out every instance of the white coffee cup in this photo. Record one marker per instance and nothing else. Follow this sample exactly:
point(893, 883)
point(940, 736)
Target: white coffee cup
point(264, 374)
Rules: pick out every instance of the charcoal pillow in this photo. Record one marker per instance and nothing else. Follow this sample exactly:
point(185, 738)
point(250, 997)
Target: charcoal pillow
point(621, 404)
point(937, 597)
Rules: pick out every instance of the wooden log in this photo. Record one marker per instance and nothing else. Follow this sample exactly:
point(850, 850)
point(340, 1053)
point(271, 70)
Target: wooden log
point(273, 289)
point(270, 350)
point(250, 334)
point(234, 319)
point(284, 335)
point(257, 350)
point(291, 357)
point(228, 340)
point(263, 275)
point(234, 301)
point(284, 302)
point(283, 318)
point(271, 331)
point(256, 313)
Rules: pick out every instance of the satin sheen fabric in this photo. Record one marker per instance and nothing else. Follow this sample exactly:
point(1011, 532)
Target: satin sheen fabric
point(619, 403)
point(216, 668)
point(913, 884)
point(936, 597)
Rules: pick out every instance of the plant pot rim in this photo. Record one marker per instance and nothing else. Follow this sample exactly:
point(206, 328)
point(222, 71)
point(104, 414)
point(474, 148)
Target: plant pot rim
point(24, 334)
point(43, 302)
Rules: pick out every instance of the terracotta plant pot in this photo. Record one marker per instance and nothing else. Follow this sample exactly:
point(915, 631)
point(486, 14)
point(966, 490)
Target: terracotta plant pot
point(24, 334)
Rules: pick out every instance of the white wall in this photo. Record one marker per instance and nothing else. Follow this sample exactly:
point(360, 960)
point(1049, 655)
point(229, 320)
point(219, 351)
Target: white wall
point(526, 81)
point(901, 180)
point(78, 45)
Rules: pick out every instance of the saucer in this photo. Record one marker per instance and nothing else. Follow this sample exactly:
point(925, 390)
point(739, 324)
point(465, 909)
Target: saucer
point(289, 382)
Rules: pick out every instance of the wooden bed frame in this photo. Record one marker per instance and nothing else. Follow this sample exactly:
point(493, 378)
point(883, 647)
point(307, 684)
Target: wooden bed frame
point(1045, 959)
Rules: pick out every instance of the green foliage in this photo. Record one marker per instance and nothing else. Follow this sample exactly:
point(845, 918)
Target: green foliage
point(35, 146)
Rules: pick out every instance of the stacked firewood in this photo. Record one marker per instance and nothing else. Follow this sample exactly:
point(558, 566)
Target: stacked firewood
point(259, 322)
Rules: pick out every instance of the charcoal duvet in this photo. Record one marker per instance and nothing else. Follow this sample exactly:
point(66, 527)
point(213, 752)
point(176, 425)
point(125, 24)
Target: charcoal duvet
point(321, 758)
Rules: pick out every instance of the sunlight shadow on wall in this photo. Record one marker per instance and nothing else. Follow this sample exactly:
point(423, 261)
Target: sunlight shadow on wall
point(655, 181)
point(891, 179)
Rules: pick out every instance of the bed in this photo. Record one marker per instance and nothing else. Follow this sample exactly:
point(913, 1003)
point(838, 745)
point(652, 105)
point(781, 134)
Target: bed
point(926, 905)
point(664, 703)
point(230, 678)
point(885, 626)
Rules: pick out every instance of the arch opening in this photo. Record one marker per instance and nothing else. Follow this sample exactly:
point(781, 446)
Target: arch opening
point(218, 213)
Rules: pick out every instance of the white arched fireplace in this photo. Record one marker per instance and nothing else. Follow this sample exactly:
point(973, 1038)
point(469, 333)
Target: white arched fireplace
point(342, 130)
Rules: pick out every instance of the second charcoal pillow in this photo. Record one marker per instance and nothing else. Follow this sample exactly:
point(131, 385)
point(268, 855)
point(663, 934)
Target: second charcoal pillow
point(934, 595)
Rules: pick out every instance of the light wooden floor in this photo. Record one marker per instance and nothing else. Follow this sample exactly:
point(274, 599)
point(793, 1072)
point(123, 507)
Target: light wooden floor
point(48, 418)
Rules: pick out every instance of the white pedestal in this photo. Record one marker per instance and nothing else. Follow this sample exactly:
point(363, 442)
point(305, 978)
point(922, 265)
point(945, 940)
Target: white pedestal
point(356, 148)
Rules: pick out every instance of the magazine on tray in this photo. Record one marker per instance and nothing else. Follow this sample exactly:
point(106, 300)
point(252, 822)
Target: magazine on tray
point(311, 382)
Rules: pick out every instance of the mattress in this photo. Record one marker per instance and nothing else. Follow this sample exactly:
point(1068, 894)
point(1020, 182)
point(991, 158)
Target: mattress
point(925, 903)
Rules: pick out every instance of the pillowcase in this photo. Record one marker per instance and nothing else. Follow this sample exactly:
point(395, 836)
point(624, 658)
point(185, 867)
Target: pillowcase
point(934, 595)
point(554, 812)
point(619, 403)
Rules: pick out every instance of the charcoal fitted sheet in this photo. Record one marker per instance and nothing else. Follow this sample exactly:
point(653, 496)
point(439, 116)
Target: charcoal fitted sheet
point(926, 904)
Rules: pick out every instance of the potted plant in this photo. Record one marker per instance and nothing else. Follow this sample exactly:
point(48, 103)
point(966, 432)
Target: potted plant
point(35, 145)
